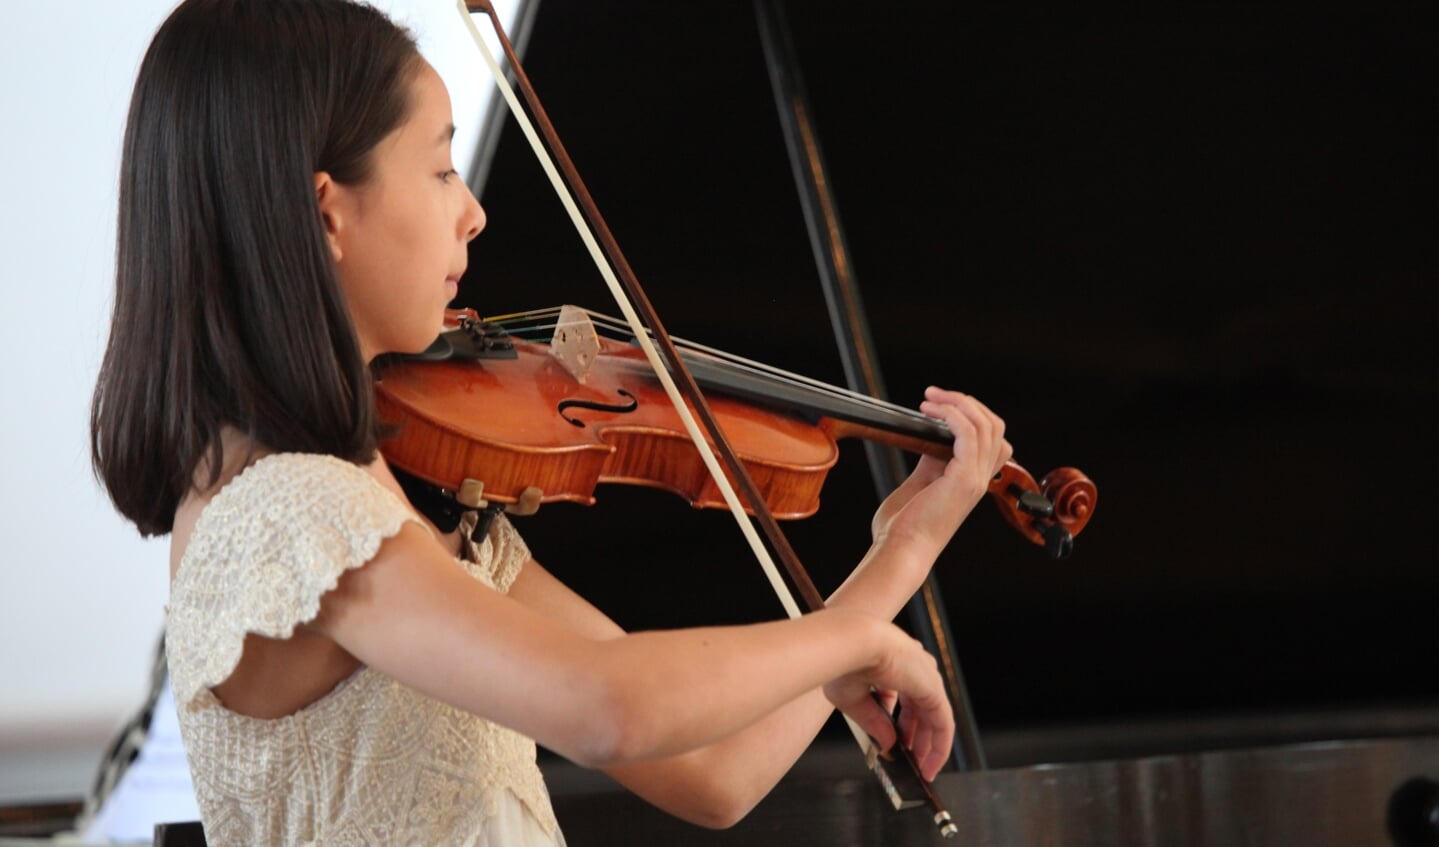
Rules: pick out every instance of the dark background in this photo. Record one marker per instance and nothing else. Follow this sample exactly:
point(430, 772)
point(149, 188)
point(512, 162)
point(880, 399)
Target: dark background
point(1190, 253)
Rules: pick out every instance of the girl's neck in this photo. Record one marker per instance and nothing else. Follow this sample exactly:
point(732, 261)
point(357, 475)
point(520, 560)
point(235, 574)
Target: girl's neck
point(237, 452)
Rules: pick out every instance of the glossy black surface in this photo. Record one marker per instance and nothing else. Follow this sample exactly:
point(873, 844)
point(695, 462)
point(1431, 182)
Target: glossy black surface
point(1318, 795)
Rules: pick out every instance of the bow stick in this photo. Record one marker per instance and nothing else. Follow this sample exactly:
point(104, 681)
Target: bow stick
point(631, 300)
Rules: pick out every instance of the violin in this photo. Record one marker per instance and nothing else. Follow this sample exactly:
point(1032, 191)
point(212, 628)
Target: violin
point(544, 406)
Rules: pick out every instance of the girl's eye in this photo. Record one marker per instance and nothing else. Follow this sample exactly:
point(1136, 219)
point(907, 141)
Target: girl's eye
point(445, 176)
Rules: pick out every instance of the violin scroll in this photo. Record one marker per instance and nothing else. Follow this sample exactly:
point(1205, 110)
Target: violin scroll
point(1073, 495)
point(1049, 512)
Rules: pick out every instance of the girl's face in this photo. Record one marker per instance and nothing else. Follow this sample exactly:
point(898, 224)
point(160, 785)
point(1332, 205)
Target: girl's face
point(399, 238)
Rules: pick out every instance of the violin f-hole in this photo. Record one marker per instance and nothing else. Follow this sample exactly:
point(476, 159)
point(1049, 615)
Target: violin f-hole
point(617, 408)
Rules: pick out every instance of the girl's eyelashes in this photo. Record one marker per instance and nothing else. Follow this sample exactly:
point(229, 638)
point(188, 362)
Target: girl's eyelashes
point(445, 175)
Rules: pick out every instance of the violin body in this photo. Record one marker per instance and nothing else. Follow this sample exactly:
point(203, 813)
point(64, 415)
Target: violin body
point(525, 422)
point(533, 427)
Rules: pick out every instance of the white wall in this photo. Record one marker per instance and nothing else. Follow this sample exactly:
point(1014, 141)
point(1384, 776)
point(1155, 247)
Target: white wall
point(81, 595)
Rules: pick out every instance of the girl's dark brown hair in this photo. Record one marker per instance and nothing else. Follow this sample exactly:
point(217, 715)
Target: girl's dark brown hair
point(227, 309)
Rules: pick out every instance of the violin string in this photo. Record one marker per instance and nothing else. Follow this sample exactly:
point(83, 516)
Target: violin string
point(754, 366)
point(750, 366)
point(530, 320)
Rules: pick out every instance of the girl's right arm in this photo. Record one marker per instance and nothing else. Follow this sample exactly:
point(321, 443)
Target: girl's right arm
point(412, 614)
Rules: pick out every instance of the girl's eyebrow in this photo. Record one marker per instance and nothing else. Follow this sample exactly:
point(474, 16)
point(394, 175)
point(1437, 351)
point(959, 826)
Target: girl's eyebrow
point(447, 135)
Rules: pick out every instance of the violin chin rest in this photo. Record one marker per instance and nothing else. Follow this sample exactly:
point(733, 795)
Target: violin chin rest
point(529, 502)
point(472, 494)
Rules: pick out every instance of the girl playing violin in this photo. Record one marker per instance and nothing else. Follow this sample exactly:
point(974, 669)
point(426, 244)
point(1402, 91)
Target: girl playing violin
point(344, 671)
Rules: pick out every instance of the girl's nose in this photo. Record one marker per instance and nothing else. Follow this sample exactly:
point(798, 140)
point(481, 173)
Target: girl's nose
point(473, 220)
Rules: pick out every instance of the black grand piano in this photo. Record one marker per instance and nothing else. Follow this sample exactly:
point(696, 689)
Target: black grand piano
point(1189, 252)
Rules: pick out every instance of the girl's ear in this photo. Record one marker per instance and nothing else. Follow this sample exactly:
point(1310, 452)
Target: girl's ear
point(327, 195)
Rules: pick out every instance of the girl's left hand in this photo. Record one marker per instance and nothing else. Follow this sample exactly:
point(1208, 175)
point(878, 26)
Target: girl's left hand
point(927, 508)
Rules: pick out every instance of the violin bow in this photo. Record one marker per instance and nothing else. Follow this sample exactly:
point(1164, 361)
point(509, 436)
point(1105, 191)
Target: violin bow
point(630, 297)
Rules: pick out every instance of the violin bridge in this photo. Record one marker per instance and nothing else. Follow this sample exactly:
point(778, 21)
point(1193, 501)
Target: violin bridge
point(575, 343)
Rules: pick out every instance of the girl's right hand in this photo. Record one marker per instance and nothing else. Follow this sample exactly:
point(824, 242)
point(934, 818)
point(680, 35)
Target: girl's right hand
point(926, 720)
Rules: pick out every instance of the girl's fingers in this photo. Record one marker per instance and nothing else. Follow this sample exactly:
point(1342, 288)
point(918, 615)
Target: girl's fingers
point(978, 431)
point(931, 737)
point(1006, 452)
point(968, 408)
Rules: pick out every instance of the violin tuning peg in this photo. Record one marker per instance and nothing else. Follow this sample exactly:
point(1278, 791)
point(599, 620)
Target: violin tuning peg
point(1058, 543)
point(1034, 503)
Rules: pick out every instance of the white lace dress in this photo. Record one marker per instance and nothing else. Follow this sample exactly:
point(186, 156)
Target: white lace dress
point(371, 762)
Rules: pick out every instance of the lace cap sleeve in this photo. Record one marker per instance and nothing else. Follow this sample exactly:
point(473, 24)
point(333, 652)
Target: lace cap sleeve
point(272, 542)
